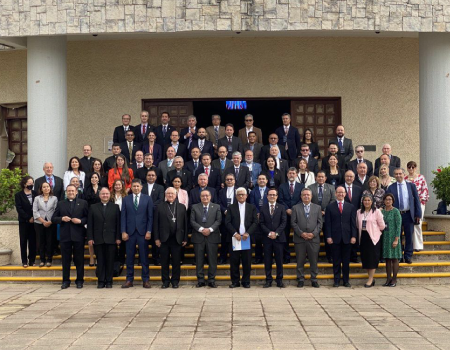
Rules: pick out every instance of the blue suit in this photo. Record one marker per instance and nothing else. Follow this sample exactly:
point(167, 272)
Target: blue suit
point(136, 223)
point(256, 170)
point(255, 197)
point(408, 218)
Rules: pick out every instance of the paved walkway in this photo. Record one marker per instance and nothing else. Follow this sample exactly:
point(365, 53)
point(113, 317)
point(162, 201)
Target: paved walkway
point(35, 316)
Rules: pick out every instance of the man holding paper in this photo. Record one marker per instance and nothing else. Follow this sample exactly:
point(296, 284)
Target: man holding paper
point(241, 222)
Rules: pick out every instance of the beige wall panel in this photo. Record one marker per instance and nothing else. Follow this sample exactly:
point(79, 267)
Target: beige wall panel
point(13, 76)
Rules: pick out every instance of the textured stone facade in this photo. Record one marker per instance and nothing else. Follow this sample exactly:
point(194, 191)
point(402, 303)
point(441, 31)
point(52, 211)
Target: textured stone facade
point(48, 17)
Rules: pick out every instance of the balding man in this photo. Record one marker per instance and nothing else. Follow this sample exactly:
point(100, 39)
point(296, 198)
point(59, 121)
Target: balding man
point(362, 179)
point(87, 159)
point(393, 160)
point(345, 145)
point(384, 160)
point(55, 182)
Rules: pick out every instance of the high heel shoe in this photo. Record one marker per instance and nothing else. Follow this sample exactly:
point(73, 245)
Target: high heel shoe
point(387, 283)
point(369, 285)
point(393, 284)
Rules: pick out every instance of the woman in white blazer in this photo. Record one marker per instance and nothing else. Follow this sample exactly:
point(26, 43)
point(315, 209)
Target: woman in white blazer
point(305, 176)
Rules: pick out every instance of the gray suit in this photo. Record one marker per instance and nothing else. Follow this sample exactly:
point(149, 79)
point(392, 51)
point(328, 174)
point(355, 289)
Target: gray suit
point(164, 168)
point(202, 243)
point(311, 224)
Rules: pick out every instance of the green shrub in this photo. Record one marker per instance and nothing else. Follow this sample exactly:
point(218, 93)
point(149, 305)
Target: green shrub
point(441, 184)
point(9, 185)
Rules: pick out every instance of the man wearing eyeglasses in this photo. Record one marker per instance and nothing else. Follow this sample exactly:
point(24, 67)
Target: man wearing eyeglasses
point(352, 165)
point(313, 165)
point(265, 151)
point(243, 133)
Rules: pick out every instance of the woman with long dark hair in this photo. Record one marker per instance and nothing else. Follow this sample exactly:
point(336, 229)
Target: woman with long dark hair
point(74, 169)
point(273, 174)
point(308, 139)
point(120, 171)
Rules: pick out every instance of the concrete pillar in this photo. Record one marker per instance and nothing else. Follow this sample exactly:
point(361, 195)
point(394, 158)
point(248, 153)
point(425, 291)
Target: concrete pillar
point(434, 90)
point(47, 104)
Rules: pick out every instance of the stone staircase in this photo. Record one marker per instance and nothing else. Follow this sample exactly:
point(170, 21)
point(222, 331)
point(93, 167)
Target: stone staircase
point(430, 266)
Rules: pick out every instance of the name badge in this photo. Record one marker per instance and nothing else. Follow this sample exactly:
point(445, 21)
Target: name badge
point(260, 202)
point(230, 148)
point(333, 182)
point(272, 182)
point(364, 222)
point(342, 151)
point(228, 202)
point(284, 138)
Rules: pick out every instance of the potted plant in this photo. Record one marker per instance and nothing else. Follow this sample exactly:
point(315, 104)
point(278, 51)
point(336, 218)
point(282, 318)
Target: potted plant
point(441, 188)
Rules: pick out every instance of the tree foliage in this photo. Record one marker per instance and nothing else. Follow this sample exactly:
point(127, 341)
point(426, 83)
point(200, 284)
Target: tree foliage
point(441, 184)
point(9, 185)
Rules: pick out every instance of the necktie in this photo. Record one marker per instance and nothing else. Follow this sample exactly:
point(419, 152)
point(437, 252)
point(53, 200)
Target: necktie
point(207, 171)
point(400, 196)
point(190, 138)
point(349, 190)
point(320, 194)
point(340, 207)
point(164, 130)
point(286, 130)
point(195, 165)
point(143, 129)
point(135, 202)
point(251, 147)
point(272, 209)
point(201, 145)
point(222, 164)
point(130, 149)
point(205, 213)
point(306, 211)
point(139, 166)
point(125, 128)
point(291, 189)
point(229, 141)
point(216, 133)
point(50, 182)
point(359, 161)
point(169, 162)
point(340, 144)
point(236, 171)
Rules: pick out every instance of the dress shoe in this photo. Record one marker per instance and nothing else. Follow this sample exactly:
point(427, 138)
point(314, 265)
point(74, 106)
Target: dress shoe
point(335, 285)
point(127, 284)
point(281, 285)
point(246, 285)
point(300, 284)
point(164, 286)
point(408, 261)
point(387, 284)
point(175, 286)
point(79, 285)
point(212, 284)
point(348, 285)
point(315, 284)
point(101, 285)
point(235, 285)
point(146, 284)
point(392, 284)
point(258, 261)
point(65, 285)
point(108, 285)
point(267, 285)
point(200, 284)
point(369, 285)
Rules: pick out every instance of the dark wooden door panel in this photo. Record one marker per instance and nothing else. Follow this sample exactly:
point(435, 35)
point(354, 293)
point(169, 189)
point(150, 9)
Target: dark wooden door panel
point(16, 122)
point(179, 111)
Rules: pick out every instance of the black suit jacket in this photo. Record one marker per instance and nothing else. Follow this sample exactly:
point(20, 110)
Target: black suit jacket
point(257, 149)
point(108, 164)
point(278, 177)
point(265, 153)
point(138, 137)
point(293, 140)
point(214, 178)
point(326, 167)
point(160, 138)
point(395, 162)
point(68, 230)
point(126, 152)
point(119, 133)
point(181, 151)
point(352, 165)
point(347, 151)
point(186, 179)
point(358, 182)
point(142, 175)
point(86, 164)
point(223, 200)
point(189, 165)
point(194, 195)
point(208, 147)
point(275, 223)
point(357, 192)
point(157, 194)
point(243, 179)
point(185, 131)
point(162, 221)
point(104, 228)
point(233, 220)
point(340, 227)
point(236, 145)
point(23, 206)
point(58, 186)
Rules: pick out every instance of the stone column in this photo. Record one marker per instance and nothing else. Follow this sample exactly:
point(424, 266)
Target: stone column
point(47, 104)
point(434, 90)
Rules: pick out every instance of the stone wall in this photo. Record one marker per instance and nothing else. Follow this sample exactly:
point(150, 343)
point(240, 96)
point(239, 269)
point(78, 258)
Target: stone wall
point(49, 17)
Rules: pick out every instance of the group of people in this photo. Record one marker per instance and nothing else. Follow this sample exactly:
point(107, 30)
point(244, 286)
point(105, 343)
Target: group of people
point(233, 194)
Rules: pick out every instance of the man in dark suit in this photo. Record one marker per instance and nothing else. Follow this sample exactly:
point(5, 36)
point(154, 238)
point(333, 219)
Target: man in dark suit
point(205, 221)
point(289, 195)
point(272, 219)
point(194, 194)
point(353, 195)
point(202, 143)
point(215, 132)
point(333, 150)
point(163, 131)
point(171, 234)
point(362, 179)
point(222, 163)
point(137, 225)
point(313, 165)
point(189, 134)
point(156, 192)
point(258, 197)
point(345, 145)
point(103, 232)
point(87, 159)
point(71, 214)
point(288, 137)
point(119, 131)
point(214, 177)
point(323, 194)
point(241, 230)
point(56, 183)
point(148, 165)
point(241, 173)
point(384, 160)
point(110, 161)
point(186, 176)
point(340, 223)
point(244, 132)
point(306, 220)
point(227, 196)
point(408, 202)
point(130, 147)
point(194, 163)
point(141, 130)
point(394, 161)
point(359, 150)
point(253, 146)
point(231, 142)
point(138, 162)
point(265, 150)
point(180, 149)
